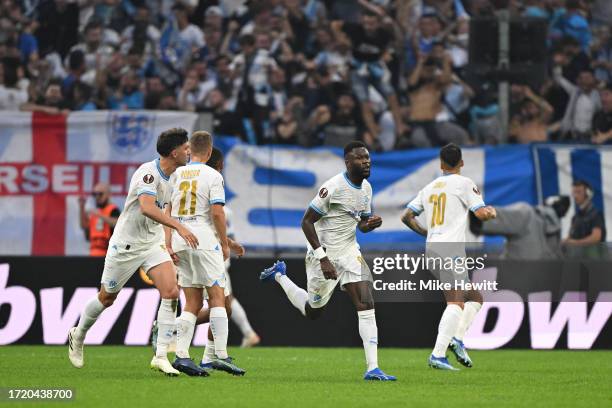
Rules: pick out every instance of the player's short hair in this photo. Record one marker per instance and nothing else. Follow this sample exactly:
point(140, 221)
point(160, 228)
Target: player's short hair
point(169, 140)
point(450, 155)
point(353, 145)
point(216, 157)
point(200, 142)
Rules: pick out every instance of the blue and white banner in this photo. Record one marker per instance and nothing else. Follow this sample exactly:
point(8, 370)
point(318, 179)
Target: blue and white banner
point(268, 188)
point(558, 166)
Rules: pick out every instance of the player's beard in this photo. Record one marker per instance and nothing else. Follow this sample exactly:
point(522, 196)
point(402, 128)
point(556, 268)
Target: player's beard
point(182, 162)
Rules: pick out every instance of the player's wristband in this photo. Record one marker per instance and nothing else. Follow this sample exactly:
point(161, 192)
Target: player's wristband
point(319, 253)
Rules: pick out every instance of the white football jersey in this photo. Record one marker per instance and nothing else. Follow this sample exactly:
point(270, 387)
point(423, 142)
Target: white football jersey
point(341, 205)
point(446, 202)
point(133, 228)
point(196, 187)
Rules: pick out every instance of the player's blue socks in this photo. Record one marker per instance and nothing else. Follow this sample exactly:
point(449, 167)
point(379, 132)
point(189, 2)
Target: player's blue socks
point(378, 375)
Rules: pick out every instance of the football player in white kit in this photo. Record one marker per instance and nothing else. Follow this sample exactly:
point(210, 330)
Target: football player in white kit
point(138, 241)
point(197, 201)
point(446, 202)
point(342, 204)
point(234, 309)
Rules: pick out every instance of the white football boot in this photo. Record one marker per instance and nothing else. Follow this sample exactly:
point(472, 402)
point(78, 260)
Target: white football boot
point(75, 349)
point(162, 364)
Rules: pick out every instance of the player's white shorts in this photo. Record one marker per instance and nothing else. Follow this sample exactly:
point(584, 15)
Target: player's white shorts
point(440, 261)
point(228, 283)
point(123, 260)
point(198, 268)
point(350, 267)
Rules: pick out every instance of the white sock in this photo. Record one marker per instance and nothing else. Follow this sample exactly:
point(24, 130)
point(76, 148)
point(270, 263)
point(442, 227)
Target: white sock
point(240, 318)
point(369, 334)
point(470, 309)
point(185, 325)
point(297, 296)
point(166, 321)
point(90, 314)
point(447, 329)
point(209, 352)
point(219, 327)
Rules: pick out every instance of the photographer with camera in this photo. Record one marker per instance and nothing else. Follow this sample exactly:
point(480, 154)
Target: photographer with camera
point(531, 232)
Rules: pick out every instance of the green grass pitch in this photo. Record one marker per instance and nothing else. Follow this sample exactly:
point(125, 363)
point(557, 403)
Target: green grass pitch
point(118, 376)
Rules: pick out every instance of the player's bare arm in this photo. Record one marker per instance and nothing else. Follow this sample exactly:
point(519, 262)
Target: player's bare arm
point(370, 223)
point(218, 218)
point(485, 213)
point(236, 247)
point(168, 236)
point(409, 219)
point(592, 239)
point(308, 221)
point(149, 209)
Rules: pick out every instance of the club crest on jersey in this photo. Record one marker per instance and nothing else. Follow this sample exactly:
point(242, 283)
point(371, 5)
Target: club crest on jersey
point(323, 192)
point(130, 133)
point(148, 178)
point(475, 190)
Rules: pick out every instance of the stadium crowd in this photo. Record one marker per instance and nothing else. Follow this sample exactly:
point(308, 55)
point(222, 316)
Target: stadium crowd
point(308, 72)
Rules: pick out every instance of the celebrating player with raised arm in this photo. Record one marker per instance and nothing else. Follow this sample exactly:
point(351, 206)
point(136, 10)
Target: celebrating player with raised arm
point(138, 241)
point(197, 201)
point(446, 202)
point(341, 204)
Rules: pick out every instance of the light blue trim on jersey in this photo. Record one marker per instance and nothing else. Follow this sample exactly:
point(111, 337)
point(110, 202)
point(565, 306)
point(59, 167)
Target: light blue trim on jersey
point(350, 182)
point(217, 201)
point(317, 209)
point(161, 172)
point(147, 192)
point(190, 163)
point(414, 209)
point(477, 207)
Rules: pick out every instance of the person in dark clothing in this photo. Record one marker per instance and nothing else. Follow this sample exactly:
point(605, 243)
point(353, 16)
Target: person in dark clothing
point(588, 228)
point(225, 123)
point(58, 27)
point(602, 121)
point(588, 225)
point(345, 123)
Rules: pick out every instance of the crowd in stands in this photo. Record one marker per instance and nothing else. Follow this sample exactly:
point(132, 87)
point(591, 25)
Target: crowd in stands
point(309, 72)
